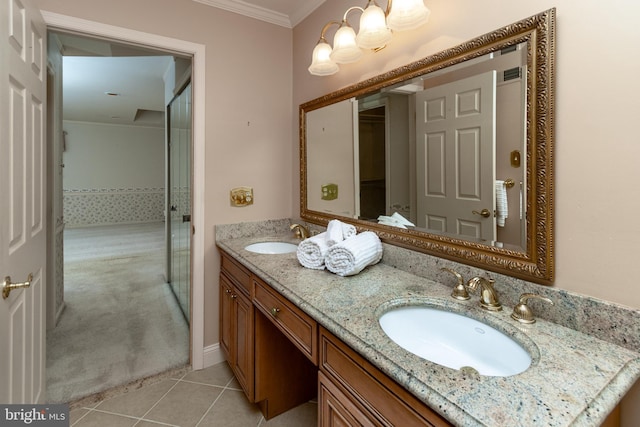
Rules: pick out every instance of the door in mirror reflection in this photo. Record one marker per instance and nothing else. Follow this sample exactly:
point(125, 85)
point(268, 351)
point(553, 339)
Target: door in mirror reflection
point(456, 142)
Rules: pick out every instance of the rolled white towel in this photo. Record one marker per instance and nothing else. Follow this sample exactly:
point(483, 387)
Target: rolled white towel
point(348, 230)
point(352, 255)
point(311, 252)
point(337, 231)
point(334, 232)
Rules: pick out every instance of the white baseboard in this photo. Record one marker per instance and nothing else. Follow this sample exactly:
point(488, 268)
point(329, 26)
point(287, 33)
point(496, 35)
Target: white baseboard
point(212, 355)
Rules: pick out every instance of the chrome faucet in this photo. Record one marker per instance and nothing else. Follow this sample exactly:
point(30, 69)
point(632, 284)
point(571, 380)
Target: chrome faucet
point(300, 231)
point(488, 296)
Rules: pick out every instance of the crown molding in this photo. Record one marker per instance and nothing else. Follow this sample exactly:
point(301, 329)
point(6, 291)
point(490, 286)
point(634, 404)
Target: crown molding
point(250, 10)
point(264, 14)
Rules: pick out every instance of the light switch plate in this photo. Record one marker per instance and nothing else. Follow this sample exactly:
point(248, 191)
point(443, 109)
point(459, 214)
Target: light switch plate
point(241, 196)
point(329, 192)
point(514, 157)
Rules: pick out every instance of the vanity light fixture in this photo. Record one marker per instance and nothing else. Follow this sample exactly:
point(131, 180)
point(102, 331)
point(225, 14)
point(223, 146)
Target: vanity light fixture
point(375, 32)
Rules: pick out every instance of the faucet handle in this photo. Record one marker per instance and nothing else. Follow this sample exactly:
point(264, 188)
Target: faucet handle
point(459, 291)
point(522, 312)
point(300, 231)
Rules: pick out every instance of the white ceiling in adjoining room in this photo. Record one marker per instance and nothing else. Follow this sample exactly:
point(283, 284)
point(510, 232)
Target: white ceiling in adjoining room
point(93, 67)
point(113, 89)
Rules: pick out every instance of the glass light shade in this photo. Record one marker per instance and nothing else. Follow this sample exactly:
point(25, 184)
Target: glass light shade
point(373, 28)
point(407, 15)
point(345, 49)
point(321, 63)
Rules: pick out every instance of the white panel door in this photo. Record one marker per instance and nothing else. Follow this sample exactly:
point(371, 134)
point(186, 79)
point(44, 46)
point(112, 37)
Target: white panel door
point(22, 211)
point(455, 150)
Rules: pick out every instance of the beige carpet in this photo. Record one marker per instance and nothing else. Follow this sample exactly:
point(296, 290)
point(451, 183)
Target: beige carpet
point(121, 321)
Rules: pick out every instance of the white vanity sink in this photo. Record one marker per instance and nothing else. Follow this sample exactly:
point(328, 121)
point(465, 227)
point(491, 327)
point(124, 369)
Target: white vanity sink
point(454, 340)
point(272, 247)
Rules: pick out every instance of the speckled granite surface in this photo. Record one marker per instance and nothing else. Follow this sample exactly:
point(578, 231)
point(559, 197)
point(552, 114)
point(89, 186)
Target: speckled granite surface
point(576, 377)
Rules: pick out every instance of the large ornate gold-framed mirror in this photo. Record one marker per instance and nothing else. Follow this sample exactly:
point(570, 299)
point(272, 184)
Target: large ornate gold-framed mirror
point(343, 177)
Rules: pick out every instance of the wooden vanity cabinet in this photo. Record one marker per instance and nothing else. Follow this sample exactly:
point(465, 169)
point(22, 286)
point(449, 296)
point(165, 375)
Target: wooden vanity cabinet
point(281, 357)
point(286, 342)
point(268, 342)
point(353, 392)
point(237, 323)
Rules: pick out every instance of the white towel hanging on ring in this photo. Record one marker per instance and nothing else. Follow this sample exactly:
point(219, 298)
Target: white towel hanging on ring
point(502, 209)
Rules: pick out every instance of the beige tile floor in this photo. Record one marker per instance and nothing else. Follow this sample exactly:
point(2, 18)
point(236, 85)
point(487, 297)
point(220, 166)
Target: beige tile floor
point(210, 397)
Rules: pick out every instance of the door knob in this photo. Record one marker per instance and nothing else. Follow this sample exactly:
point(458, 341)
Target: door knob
point(486, 213)
point(7, 286)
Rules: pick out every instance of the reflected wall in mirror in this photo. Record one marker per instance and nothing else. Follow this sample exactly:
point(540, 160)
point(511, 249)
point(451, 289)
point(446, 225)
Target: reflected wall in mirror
point(450, 155)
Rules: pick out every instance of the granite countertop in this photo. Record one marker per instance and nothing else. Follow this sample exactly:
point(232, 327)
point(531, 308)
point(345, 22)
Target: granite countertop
point(575, 379)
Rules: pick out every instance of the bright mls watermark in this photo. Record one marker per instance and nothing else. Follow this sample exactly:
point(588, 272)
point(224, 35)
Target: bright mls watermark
point(34, 415)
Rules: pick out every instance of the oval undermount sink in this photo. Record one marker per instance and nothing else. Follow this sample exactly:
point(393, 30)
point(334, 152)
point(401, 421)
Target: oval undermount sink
point(272, 248)
point(454, 340)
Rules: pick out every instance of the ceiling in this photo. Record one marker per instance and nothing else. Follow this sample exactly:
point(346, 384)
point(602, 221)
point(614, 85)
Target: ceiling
point(110, 82)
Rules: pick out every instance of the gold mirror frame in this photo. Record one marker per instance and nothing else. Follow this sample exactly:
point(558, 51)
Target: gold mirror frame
point(536, 262)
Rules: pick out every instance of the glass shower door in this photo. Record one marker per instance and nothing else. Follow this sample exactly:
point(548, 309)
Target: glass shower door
point(179, 199)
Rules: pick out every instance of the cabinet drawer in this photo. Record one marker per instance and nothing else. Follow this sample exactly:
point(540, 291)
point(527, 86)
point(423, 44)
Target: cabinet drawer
point(238, 274)
point(337, 409)
point(387, 402)
point(293, 322)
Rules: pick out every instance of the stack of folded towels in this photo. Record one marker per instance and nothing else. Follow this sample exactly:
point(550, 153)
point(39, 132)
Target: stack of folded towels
point(340, 249)
point(395, 220)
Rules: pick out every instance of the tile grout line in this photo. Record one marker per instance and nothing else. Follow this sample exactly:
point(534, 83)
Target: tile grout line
point(223, 387)
point(79, 419)
point(141, 418)
point(138, 419)
point(226, 387)
point(158, 401)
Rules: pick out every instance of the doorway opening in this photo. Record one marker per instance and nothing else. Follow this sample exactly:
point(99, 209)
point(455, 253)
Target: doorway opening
point(372, 162)
point(115, 206)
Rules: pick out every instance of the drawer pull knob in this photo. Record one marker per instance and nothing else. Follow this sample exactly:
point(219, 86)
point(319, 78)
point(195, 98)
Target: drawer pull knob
point(234, 296)
point(275, 311)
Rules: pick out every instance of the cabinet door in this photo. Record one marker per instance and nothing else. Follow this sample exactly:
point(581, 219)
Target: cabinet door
point(243, 337)
point(225, 317)
point(236, 333)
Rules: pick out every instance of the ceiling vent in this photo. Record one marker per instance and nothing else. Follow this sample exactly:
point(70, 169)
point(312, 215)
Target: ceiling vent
point(512, 74)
